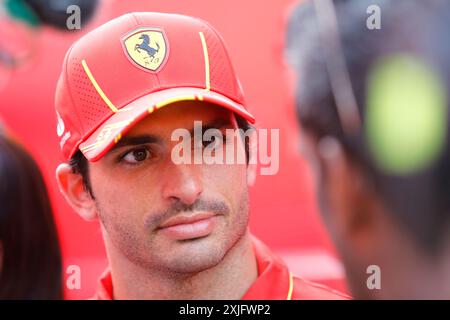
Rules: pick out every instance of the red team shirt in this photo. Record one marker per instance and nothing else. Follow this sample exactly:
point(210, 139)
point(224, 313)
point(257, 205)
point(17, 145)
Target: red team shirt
point(274, 282)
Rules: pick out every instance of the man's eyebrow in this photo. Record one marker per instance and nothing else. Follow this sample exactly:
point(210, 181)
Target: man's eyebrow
point(136, 140)
point(143, 139)
point(214, 124)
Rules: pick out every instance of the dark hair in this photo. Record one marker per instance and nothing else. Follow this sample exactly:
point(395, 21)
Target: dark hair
point(31, 265)
point(80, 165)
point(420, 200)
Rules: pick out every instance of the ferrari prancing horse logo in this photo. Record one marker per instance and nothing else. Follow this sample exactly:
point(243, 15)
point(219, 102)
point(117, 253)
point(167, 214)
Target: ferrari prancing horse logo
point(146, 47)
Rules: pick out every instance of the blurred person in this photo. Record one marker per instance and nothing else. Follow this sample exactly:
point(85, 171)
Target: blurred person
point(372, 104)
point(171, 230)
point(21, 22)
point(30, 258)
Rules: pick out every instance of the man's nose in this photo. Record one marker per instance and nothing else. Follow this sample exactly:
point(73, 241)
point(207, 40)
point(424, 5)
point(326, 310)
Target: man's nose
point(182, 182)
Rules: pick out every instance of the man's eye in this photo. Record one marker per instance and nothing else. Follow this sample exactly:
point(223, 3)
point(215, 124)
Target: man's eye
point(135, 156)
point(215, 141)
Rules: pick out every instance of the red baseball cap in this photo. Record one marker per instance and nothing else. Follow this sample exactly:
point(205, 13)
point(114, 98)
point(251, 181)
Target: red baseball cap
point(129, 67)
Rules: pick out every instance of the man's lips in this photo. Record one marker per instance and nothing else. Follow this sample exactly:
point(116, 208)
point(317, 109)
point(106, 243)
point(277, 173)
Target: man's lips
point(184, 227)
point(186, 219)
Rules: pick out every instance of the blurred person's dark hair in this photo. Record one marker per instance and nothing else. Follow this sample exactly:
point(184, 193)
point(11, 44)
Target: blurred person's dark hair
point(419, 200)
point(20, 20)
point(49, 12)
point(30, 258)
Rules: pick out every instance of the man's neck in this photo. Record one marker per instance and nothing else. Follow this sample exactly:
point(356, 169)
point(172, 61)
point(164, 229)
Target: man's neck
point(409, 273)
point(230, 279)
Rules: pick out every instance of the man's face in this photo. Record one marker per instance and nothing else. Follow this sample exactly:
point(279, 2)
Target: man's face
point(180, 218)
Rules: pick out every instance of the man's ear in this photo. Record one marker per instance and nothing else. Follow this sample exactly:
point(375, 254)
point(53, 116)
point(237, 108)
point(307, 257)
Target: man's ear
point(351, 201)
point(252, 158)
point(72, 187)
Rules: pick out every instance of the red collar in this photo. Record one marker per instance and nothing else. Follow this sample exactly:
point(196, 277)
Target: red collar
point(274, 281)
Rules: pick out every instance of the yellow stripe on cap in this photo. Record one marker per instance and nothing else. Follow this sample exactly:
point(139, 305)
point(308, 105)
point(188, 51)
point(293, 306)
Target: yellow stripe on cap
point(291, 287)
point(97, 87)
point(118, 137)
point(206, 56)
point(172, 100)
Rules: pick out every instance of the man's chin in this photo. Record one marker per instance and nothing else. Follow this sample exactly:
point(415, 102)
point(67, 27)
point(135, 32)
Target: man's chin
point(194, 255)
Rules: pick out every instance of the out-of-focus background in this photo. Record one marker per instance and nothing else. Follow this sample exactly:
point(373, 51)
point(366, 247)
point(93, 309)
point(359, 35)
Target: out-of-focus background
point(283, 209)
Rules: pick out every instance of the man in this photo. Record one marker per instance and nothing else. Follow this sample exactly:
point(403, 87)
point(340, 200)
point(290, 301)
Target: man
point(373, 107)
point(172, 230)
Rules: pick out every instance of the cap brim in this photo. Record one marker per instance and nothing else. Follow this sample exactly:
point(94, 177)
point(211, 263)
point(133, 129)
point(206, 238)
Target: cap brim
point(110, 131)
